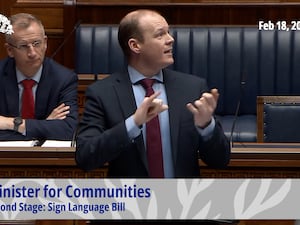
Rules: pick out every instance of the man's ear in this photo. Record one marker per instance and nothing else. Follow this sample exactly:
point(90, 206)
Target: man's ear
point(9, 50)
point(134, 45)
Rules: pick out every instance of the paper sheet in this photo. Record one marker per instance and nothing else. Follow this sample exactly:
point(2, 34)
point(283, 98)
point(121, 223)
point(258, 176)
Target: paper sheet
point(54, 143)
point(17, 143)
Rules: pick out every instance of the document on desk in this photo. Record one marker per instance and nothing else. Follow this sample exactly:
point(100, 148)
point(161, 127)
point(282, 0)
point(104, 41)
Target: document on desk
point(55, 143)
point(17, 143)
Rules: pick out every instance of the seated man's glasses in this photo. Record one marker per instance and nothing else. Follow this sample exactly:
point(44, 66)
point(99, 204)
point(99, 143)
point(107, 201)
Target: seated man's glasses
point(25, 47)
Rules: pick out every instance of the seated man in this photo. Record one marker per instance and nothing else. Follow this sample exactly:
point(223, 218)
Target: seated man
point(38, 97)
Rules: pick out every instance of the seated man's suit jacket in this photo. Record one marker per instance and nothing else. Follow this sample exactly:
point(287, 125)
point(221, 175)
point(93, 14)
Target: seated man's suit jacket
point(103, 136)
point(57, 85)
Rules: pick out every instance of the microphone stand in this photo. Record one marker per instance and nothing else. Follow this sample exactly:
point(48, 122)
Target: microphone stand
point(242, 84)
point(66, 39)
point(74, 137)
point(234, 122)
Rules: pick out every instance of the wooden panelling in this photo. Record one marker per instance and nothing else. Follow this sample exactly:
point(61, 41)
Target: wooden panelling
point(60, 16)
point(189, 12)
point(5, 7)
point(51, 17)
point(48, 172)
point(259, 160)
point(268, 160)
point(41, 1)
point(37, 162)
point(83, 81)
point(50, 12)
point(197, 14)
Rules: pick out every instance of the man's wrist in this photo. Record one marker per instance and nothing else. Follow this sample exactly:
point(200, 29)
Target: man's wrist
point(132, 128)
point(17, 121)
point(205, 125)
point(207, 132)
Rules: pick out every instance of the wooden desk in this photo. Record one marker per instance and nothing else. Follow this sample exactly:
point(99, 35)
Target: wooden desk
point(259, 160)
point(248, 160)
point(38, 162)
point(84, 80)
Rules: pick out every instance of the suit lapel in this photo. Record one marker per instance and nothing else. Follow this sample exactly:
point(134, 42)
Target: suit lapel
point(43, 92)
point(123, 89)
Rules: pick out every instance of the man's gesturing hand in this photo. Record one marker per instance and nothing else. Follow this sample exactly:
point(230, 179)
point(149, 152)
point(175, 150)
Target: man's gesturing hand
point(150, 107)
point(204, 107)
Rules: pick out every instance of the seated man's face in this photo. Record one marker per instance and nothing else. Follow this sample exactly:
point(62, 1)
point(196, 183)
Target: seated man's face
point(28, 46)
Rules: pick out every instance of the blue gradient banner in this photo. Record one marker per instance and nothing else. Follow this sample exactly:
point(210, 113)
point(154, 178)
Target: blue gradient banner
point(132, 199)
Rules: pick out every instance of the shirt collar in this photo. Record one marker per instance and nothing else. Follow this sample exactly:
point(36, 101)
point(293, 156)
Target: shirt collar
point(36, 77)
point(136, 76)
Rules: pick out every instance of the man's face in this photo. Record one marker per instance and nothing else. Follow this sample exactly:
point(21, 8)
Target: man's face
point(28, 47)
point(156, 49)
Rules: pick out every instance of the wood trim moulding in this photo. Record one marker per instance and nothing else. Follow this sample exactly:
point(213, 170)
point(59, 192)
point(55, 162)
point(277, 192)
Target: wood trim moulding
point(41, 1)
point(17, 222)
point(187, 2)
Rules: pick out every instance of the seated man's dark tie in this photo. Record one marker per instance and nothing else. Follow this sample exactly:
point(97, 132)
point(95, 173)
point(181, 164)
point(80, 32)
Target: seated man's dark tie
point(153, 138)
point(27, 99)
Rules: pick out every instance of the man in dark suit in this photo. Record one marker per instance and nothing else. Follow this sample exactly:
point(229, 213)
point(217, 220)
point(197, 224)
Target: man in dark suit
point(117, 113)
point(54, 92)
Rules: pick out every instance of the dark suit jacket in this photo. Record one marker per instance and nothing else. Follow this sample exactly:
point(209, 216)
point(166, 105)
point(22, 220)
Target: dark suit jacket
point(57, 85)
point(103, 137)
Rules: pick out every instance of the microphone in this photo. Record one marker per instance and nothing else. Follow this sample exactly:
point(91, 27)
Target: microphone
point(74, 137)
point(237, 110)
point(39, 142)
point(66, 39)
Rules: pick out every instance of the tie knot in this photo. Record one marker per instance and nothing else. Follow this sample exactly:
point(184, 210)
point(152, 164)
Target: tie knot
point(147, 83)
point(28, 83)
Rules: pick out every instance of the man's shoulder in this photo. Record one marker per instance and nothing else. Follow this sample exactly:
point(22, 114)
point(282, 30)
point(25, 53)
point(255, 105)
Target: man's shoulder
point(4, 62)
point(107, 85)
point(57, 71)
point(53, 65)
point(110, 79)
point(7, 66)
point(183, 77)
